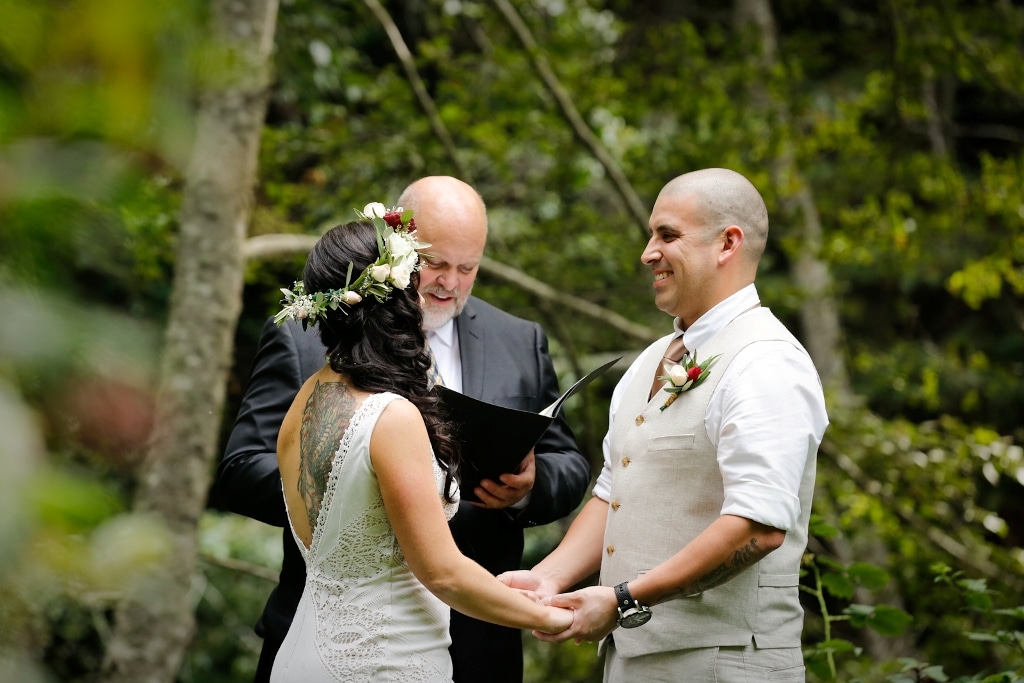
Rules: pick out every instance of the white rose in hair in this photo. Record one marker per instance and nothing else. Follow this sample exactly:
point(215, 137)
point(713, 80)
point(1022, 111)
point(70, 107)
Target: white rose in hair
point(399, 246)
point(380, 273)
point(401, 273)
point(351, 298)
point(374, 210)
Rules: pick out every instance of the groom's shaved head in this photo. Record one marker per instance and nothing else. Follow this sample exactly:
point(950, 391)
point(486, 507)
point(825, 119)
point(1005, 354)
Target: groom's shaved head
point(724, 198)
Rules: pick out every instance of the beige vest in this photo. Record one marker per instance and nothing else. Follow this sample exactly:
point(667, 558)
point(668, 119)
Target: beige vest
point(666, 488)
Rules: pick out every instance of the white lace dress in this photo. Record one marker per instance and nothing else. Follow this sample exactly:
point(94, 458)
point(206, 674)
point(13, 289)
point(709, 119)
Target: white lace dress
point(363, 616)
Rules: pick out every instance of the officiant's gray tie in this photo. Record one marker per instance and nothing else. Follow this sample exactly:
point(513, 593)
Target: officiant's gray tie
point(675, 352)
point(433, 374)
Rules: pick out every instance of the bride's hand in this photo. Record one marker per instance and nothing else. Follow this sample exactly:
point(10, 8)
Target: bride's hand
point(559, 620)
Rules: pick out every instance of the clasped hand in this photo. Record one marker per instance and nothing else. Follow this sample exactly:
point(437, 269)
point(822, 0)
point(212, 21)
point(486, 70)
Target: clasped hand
point(593, 608)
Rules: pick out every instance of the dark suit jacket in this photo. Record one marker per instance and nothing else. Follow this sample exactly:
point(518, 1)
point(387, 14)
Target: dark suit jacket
point(505, 361)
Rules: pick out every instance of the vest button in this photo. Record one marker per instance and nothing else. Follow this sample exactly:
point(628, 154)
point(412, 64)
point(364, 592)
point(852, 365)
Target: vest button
point(639, 420)
point(616, 505)
point(626, 461)
point(610, 549)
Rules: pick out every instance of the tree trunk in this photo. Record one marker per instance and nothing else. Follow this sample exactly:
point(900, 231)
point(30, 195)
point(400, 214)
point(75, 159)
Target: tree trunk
point(150, 635)
point(819, 314)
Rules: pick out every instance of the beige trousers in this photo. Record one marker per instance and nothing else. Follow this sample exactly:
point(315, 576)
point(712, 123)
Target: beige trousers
point(711, 665)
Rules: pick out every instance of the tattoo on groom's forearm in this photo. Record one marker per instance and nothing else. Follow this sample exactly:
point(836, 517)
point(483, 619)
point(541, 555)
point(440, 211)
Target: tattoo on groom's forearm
point(740, 560)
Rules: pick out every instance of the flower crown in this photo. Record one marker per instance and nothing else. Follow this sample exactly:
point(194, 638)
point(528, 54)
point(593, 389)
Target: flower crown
point(397, 261)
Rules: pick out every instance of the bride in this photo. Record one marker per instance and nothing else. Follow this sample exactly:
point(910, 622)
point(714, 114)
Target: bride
point(369, 473)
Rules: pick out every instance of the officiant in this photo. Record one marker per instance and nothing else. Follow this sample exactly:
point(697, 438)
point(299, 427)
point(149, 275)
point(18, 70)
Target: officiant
point(480, 351)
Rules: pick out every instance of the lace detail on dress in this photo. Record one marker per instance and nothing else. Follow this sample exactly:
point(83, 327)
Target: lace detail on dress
point(353, 616)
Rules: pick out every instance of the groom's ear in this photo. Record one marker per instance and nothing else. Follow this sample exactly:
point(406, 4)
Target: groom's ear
point(732, 241)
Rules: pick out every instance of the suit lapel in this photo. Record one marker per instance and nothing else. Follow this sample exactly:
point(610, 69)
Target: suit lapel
point(471, 348)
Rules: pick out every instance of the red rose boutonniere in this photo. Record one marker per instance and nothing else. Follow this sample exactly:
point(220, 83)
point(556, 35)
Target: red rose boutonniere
point(685, 376)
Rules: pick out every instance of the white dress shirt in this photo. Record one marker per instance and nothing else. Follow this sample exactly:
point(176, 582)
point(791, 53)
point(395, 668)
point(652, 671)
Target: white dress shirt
point(766, 418)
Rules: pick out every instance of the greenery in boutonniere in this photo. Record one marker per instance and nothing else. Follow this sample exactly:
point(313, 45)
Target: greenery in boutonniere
point(685, 376)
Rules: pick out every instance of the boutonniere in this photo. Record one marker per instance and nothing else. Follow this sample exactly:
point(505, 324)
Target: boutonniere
point(685, 376)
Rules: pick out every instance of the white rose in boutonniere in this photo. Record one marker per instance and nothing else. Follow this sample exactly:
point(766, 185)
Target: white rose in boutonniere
point(374, 210)
point(685, 376)
point(380, 273)
point(677, 375)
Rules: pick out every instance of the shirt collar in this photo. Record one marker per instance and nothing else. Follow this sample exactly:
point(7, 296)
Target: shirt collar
point(443, 335)
point(720, 315)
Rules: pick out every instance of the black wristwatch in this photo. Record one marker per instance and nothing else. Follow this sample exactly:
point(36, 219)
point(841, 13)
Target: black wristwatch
point(631, 612)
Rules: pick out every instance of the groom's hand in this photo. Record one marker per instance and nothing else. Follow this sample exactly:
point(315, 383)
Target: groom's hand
point(594, 611)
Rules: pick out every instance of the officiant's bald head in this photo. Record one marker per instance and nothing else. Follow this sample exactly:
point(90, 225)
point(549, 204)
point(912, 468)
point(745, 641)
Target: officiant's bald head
point(450, 215)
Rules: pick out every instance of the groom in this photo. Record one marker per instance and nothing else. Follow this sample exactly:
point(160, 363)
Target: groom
point(480, 351)
point(699, 518)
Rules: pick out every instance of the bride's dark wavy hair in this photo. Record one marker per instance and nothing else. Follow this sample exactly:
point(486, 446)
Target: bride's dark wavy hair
point(378, 345)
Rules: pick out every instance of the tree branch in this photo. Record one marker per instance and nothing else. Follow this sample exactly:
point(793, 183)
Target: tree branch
point(418, 88)
point(263, 247)
point(546, 292)
point(259, 571)
point(579, 127)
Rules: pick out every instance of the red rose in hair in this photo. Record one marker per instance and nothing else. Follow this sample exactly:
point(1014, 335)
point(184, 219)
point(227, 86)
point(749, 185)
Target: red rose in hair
point(394, 219)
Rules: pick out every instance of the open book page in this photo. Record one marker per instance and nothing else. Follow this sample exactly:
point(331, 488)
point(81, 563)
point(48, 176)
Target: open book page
point(494, 439)
point(553, 409)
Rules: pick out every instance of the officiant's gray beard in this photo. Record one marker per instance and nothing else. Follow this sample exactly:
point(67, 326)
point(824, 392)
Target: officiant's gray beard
point(435, 316)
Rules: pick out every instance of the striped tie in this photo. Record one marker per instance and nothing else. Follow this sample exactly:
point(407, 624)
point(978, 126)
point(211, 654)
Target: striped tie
point(433, 374)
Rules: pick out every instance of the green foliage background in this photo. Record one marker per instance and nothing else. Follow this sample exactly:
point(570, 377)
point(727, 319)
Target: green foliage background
point(903, 118)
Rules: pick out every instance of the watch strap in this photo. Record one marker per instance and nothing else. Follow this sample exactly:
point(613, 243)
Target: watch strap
point(624, 597)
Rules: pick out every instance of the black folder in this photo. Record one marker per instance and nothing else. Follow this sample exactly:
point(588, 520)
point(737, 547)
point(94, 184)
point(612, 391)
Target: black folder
point(493, 439)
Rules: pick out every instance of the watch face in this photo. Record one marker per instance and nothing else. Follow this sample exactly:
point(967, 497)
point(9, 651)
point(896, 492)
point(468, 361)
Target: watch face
point(638, 618)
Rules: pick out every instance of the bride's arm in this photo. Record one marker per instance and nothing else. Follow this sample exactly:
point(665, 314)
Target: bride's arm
point(401, 455)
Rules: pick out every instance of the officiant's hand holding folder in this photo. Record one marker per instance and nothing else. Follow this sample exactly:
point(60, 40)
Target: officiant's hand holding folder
point(493, 440)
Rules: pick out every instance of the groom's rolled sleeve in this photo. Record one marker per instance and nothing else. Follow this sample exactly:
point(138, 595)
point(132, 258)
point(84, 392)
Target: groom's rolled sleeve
point(766, 419)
